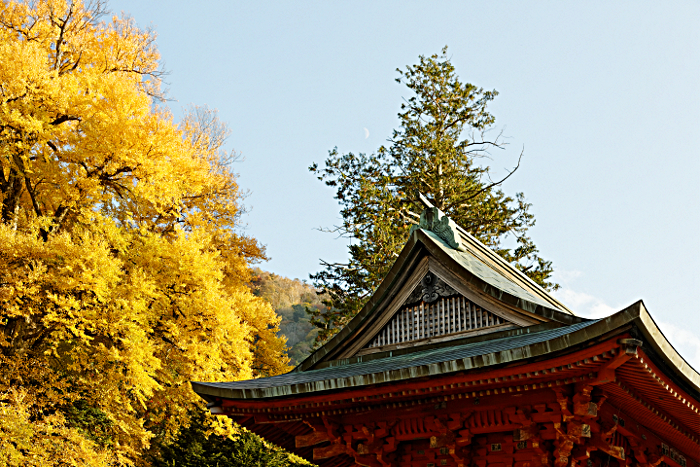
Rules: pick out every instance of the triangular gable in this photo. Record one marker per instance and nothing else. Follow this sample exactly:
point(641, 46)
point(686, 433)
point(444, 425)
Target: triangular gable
point(433, 312)
point(433, 305)
point(474, 292)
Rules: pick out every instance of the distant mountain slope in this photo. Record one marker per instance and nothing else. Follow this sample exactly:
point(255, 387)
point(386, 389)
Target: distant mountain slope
point(289, 298)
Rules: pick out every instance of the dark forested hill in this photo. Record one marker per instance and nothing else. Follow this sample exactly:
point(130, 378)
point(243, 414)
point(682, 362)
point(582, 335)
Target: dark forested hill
point(289, 298)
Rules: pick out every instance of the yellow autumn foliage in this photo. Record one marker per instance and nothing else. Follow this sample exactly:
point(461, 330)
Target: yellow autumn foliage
point(122, 271)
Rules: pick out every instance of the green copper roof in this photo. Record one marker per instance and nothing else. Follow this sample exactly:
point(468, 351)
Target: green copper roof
point(337, 365)
point(398, 367)
point(511, 346)
point(471, 263)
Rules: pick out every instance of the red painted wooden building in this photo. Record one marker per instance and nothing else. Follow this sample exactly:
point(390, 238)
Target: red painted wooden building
point(458, 359)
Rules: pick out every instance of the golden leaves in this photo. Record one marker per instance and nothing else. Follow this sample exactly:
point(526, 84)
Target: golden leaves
point(122, 276)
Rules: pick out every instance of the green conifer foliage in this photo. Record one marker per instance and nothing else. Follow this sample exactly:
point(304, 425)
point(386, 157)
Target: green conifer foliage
point(438, 150)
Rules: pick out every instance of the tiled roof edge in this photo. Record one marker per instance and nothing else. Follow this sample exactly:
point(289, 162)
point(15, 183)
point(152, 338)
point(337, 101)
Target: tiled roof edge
point(610, 326)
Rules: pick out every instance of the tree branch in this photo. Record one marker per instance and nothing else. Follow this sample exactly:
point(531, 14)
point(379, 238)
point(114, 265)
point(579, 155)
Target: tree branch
point(488, 187)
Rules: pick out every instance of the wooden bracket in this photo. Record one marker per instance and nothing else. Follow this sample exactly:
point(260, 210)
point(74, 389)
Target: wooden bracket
point(598, 441)
point(451, 437)
point(563, 443)
point(375, 446)
point(564, 404)
point(328, 430)
point(627, 350)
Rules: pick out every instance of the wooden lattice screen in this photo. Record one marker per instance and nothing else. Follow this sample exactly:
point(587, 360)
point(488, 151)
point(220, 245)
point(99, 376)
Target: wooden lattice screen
point(447, 315)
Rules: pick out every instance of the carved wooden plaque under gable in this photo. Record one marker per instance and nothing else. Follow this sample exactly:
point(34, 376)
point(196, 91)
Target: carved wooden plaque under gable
point(434, 309)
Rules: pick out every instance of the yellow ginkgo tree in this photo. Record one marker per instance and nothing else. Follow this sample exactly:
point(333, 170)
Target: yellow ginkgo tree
point(122, 271)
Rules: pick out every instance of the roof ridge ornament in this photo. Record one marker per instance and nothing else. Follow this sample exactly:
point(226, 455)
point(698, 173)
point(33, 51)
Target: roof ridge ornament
point(436, 221)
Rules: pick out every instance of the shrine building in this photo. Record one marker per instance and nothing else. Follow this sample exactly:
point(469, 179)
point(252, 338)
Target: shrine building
point(459, 359)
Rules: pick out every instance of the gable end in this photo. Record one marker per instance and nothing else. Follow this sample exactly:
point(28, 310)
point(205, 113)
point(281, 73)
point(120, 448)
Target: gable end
point(434, 308)
point(443, 315)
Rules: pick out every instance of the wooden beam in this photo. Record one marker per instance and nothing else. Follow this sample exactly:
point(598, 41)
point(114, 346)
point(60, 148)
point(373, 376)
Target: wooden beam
point(312, 439)
point(628, 349)
point(368, 461)
point(262, 419)
point(332, 450)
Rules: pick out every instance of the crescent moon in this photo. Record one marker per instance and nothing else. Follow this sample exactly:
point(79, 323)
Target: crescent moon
point(366, 133)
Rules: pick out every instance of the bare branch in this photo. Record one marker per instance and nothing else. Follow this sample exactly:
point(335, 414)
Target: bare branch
point(488, 187)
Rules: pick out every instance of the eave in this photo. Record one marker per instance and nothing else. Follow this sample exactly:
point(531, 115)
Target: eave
point(520, 345)
point(638, 388)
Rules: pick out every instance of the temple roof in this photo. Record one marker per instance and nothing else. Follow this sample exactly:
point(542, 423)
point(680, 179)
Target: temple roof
point(456, 343)
point(493, 270)
point(540, 341)
point(508, 346)
point(439, 245)
point(448, 305)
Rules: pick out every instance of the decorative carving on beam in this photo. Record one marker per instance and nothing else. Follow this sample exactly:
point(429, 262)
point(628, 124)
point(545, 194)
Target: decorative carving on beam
point(529, 429)
point(604, 442)
point(452, 437)
point(563, 444)
point(443, 436)
point(526, 432)
point(378, 443)
point(431, 288)
point(584, 407)
point(564, 404)
point(641, 450)
point(528, 450)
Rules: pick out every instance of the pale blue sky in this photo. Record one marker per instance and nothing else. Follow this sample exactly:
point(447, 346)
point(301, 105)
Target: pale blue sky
point(603, 96)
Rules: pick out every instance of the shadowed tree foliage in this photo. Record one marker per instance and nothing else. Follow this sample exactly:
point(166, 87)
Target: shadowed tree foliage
point(438, 150)
point(197, 447)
